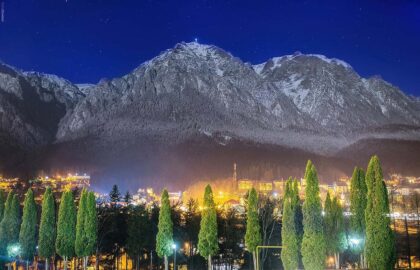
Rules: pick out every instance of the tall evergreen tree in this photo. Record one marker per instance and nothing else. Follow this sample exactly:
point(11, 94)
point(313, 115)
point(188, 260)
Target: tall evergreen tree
point(335, 235)
point(2, 209)
point(207, 237)
point(14, 220)
point(164, 236)
point(380, 246)
point(66, 226)
point(313, 242)
point(2, 202)
point(81, 234)
point(6, 230)
point(5, 225)
point(291, 226)
point(115, 195)
point(253, 230)
point(47, 228)
point(91, 224)
point(27, 235)
point(11, 226)
point(128, 198)
point(358, 201)
point(328, 224)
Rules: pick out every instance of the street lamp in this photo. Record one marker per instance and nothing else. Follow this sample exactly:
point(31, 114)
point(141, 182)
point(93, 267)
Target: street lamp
point(13, 251)
point(174, 248)
point(355, 241)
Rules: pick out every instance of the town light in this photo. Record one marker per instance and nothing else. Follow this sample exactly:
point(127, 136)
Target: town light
point(13, 250)
point(174, 246)
point(355, 241)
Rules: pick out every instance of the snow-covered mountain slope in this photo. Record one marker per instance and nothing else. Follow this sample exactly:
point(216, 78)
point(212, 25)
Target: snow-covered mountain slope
point(195, 109)
point(197, 86)
point(335, 96)
point(32, 104)
point(310, 102)
point(305, 101)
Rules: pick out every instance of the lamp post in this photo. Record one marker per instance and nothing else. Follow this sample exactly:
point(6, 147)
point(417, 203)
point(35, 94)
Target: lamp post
point(13, 251)
point(174, 248)
point(355, 243)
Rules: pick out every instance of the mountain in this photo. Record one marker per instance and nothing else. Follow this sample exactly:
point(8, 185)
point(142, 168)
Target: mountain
point(32, 105)
point(335, 96)
point(192, 99)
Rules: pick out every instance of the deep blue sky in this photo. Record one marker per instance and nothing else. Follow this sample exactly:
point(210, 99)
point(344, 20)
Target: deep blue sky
point(85, 40)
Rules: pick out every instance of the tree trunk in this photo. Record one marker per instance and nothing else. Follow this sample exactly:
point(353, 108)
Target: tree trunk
point(97, 260)
point(254, 257)
point(209, 263)
point(27, 265)
point(46, 264)
point(65, 262)
point(138, 262)
point(126, 261)
point(151, 259)
point(337, 261)
point(166, 263)
point(407, 236)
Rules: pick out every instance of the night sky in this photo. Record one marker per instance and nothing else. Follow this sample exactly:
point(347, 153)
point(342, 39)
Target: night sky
point(86, 40)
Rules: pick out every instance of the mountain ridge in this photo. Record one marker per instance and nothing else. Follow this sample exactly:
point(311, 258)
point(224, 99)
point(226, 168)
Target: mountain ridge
point(302, 101)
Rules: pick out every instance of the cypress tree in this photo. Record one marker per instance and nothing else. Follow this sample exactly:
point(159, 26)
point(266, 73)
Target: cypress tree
point(14, 224)
point(164, 236)
point(313, 242)
point(47, 228)
point(2, 208)
point(66, 226)
point(358, 201)
point(341, 234)
point(27, 235)
point(2, 202)
point(380, 246)
point(81, 234)
point(253, 232)
point(328, 225)
point(5, 225)
point(91, 224)
point(207, 237)
point(335, 236)
point(291, 226)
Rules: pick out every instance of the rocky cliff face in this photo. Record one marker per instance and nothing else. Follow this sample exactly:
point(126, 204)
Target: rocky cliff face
point(304, 101)
point(196, 92)
point(335, 96)
point(32, 105)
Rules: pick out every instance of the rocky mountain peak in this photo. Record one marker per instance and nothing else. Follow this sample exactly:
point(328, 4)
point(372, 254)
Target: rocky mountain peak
point(194, 87)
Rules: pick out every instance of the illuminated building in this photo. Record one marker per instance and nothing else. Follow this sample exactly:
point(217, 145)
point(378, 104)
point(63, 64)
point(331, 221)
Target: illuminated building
point(9, 184)
point(175, 197)
point(62, 183)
